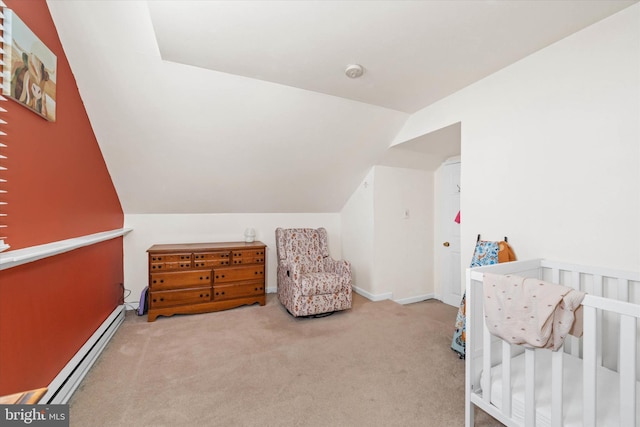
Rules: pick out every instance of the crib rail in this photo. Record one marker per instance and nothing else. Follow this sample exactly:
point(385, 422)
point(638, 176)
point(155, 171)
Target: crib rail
point(629, 313)
point(485, 351)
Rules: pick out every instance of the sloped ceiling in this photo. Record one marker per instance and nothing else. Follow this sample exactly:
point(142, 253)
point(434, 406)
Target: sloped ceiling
point(236, 106)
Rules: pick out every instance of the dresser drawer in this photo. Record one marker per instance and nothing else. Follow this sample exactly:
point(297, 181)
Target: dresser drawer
point(235, 274)
point(166, 266)
point(179, 279)
point(180, 297)
point(224, 292)
point(163, 262)
point(170, 257)
point(254, 256)
point(211, 259)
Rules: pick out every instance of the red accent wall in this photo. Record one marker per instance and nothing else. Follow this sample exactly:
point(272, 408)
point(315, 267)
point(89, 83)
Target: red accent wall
point(59, 188)
point(49, 309)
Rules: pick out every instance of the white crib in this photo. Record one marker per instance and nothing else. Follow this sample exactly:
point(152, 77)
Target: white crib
point(591, 381)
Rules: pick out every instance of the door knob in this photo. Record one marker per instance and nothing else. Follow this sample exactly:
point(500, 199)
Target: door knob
point(445, 244)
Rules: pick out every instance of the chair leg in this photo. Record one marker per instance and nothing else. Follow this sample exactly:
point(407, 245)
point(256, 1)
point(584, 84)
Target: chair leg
point(329, 313)
point(312, 316)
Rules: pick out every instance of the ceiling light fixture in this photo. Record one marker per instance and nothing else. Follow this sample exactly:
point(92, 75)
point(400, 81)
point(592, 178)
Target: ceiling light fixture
point(354, 71)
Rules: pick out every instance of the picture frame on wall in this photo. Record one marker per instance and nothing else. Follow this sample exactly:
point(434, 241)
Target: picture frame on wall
point(29, 68)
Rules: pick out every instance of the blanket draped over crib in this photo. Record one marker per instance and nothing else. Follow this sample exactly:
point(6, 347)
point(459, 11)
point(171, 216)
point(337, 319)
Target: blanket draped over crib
point(530, 311)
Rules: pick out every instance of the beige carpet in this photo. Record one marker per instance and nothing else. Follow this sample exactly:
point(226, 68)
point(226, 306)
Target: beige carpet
point(378, 364)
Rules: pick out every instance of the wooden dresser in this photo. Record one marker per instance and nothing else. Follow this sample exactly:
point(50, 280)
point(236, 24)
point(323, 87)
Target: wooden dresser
point(202, 277)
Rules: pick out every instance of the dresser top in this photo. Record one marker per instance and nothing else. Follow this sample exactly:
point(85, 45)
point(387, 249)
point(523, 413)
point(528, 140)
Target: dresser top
point(200, 247)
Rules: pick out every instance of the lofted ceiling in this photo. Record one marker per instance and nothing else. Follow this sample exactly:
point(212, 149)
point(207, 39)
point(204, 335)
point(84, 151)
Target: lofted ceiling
point(243, 106)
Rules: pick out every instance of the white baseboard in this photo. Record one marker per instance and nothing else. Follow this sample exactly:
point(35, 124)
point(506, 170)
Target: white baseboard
point(418, 298)
point(67, 381)
point(373, 297)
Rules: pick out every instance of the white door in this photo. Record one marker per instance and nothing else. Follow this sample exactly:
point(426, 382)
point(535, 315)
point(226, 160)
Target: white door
point(450, 234)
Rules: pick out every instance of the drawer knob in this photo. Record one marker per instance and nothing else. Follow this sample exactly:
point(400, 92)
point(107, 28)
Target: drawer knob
point(154, 300)
point(161, 299)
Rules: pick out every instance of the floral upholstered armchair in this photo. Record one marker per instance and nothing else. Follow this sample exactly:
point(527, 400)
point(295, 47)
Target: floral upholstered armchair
point(310, 282)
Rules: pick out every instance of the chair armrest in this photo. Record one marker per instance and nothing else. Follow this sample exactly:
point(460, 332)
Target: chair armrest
point(340, 267)
point(289, 272)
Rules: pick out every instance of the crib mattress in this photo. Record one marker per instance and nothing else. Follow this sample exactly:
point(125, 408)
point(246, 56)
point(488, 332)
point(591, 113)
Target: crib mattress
point(608, 397)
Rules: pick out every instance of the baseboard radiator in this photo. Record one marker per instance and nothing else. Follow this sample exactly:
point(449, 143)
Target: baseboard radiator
point(67, 381)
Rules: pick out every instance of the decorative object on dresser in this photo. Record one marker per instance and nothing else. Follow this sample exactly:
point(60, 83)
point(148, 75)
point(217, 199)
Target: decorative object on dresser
point(310, 282)
point(203, 277)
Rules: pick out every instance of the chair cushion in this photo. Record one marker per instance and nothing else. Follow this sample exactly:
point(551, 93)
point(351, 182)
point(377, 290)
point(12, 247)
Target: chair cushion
point(308, 243)
point(321, 283)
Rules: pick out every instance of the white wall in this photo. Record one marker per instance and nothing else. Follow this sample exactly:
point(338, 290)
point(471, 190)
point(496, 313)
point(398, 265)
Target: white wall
point(357, 235)
point(391, 255)
point(403, 251)
point(551, 149)
point(150, 229)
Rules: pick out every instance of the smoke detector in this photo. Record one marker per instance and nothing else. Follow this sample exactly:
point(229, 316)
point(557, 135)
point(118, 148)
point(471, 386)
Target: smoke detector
point(354, 71)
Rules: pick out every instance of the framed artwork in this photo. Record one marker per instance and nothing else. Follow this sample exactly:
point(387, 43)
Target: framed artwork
point(29, 68)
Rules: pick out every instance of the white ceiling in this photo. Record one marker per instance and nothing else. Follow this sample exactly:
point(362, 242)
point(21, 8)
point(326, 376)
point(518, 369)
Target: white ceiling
point(234, 106)
point(414, 52)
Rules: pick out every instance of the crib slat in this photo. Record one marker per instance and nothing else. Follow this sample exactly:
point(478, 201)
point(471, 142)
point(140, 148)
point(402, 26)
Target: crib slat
point(529, 387)
point(506, 378)
point(628, 337)
point(557, 361)
point(575, 342)
point(597, 291)
point(589, 344)
point(623, 289)
point(575, 280)
point(486, 361)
